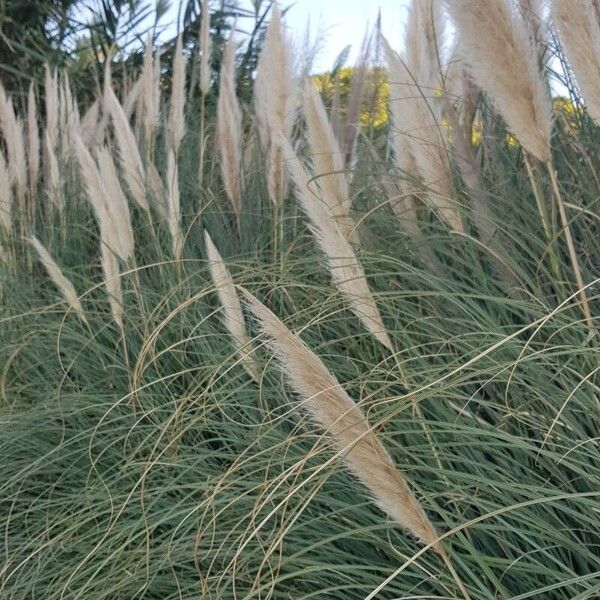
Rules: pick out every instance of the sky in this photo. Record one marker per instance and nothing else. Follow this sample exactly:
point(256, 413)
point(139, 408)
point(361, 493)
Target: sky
point(343, 22)
point(337, 23)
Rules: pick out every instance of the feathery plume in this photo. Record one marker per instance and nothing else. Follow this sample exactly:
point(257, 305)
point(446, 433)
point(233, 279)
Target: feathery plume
point(328, 161)
point(132, 98)
point(346, 271)
point(133, 169)
point(107, 200)
point(532, 12)
point(52, 178)
point(151, 107)
point(52, 106)
point(64, 285)
point(115, 205)
point(344, 421)
point(176, 122)
point(6, 197)
point(494, 43)
point(275, 95)
point(229, 127)
point(205, 48)
point(173, 205)
point(12, 130)
point(89, 125)
point(232, 310)
point(579, 31)
point(417, 138)
point(33, 141)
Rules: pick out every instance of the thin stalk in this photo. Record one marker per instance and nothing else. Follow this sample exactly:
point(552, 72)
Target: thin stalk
point(554, 262)
point(585, 307)
point(453, 572)
point(202, 141)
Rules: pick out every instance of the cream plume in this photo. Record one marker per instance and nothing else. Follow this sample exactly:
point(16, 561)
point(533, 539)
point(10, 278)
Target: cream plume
point(6, 196)
point(205, 48)
point(346, 425)
point(275, 97)
point(229, 127)
point(33, 141)
point(494, 43)
point(327, 160)
point(579, 31)
point(55, 273)
point(133, 169)
point(232, 310)
point(346, 271)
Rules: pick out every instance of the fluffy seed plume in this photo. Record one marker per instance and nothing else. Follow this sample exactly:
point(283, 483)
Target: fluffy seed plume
point(89, 125)
point(108, 201)
point(346, 271)
point(52, 106)
point(6, 196)
point(173, 205)
point(275, 96)
point(150, 98)
point(176, 122)
point(33, 141)
point(12, 130)
point(494, 43)
point(116, 205)
point(232, 310)
point(52, 177)
point(63, 284)
point(133, 169)
point(416, 113)
point(328, 161)
point(229, 127)
point(344, 421)
point(579, 31)
point(205, 48)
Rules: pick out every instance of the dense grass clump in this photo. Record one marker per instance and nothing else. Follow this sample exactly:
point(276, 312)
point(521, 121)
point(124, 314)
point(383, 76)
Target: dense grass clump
point(158, 444)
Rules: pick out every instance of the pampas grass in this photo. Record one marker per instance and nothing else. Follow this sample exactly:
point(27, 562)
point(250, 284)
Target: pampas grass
point(494, 43)
point(275, 96)
point(205, 49)
point(343, 420)
point(52, 106)
point(579, 31)
point(112, 281)
point(12, 130)
point(150, 96)
point(417, 112)
point(63, 284)
point(348, 429)
point(176, 121)
point(108, 201)
point(115, 208)
point(229, 128)
point(346, 272)
point(33, 141)
point(133, 169)
point(52, 177)
point(232, 310)
point(6, 197)
point(205, 74)
point(516, 87)
point(175, 133)
point(327, 160)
